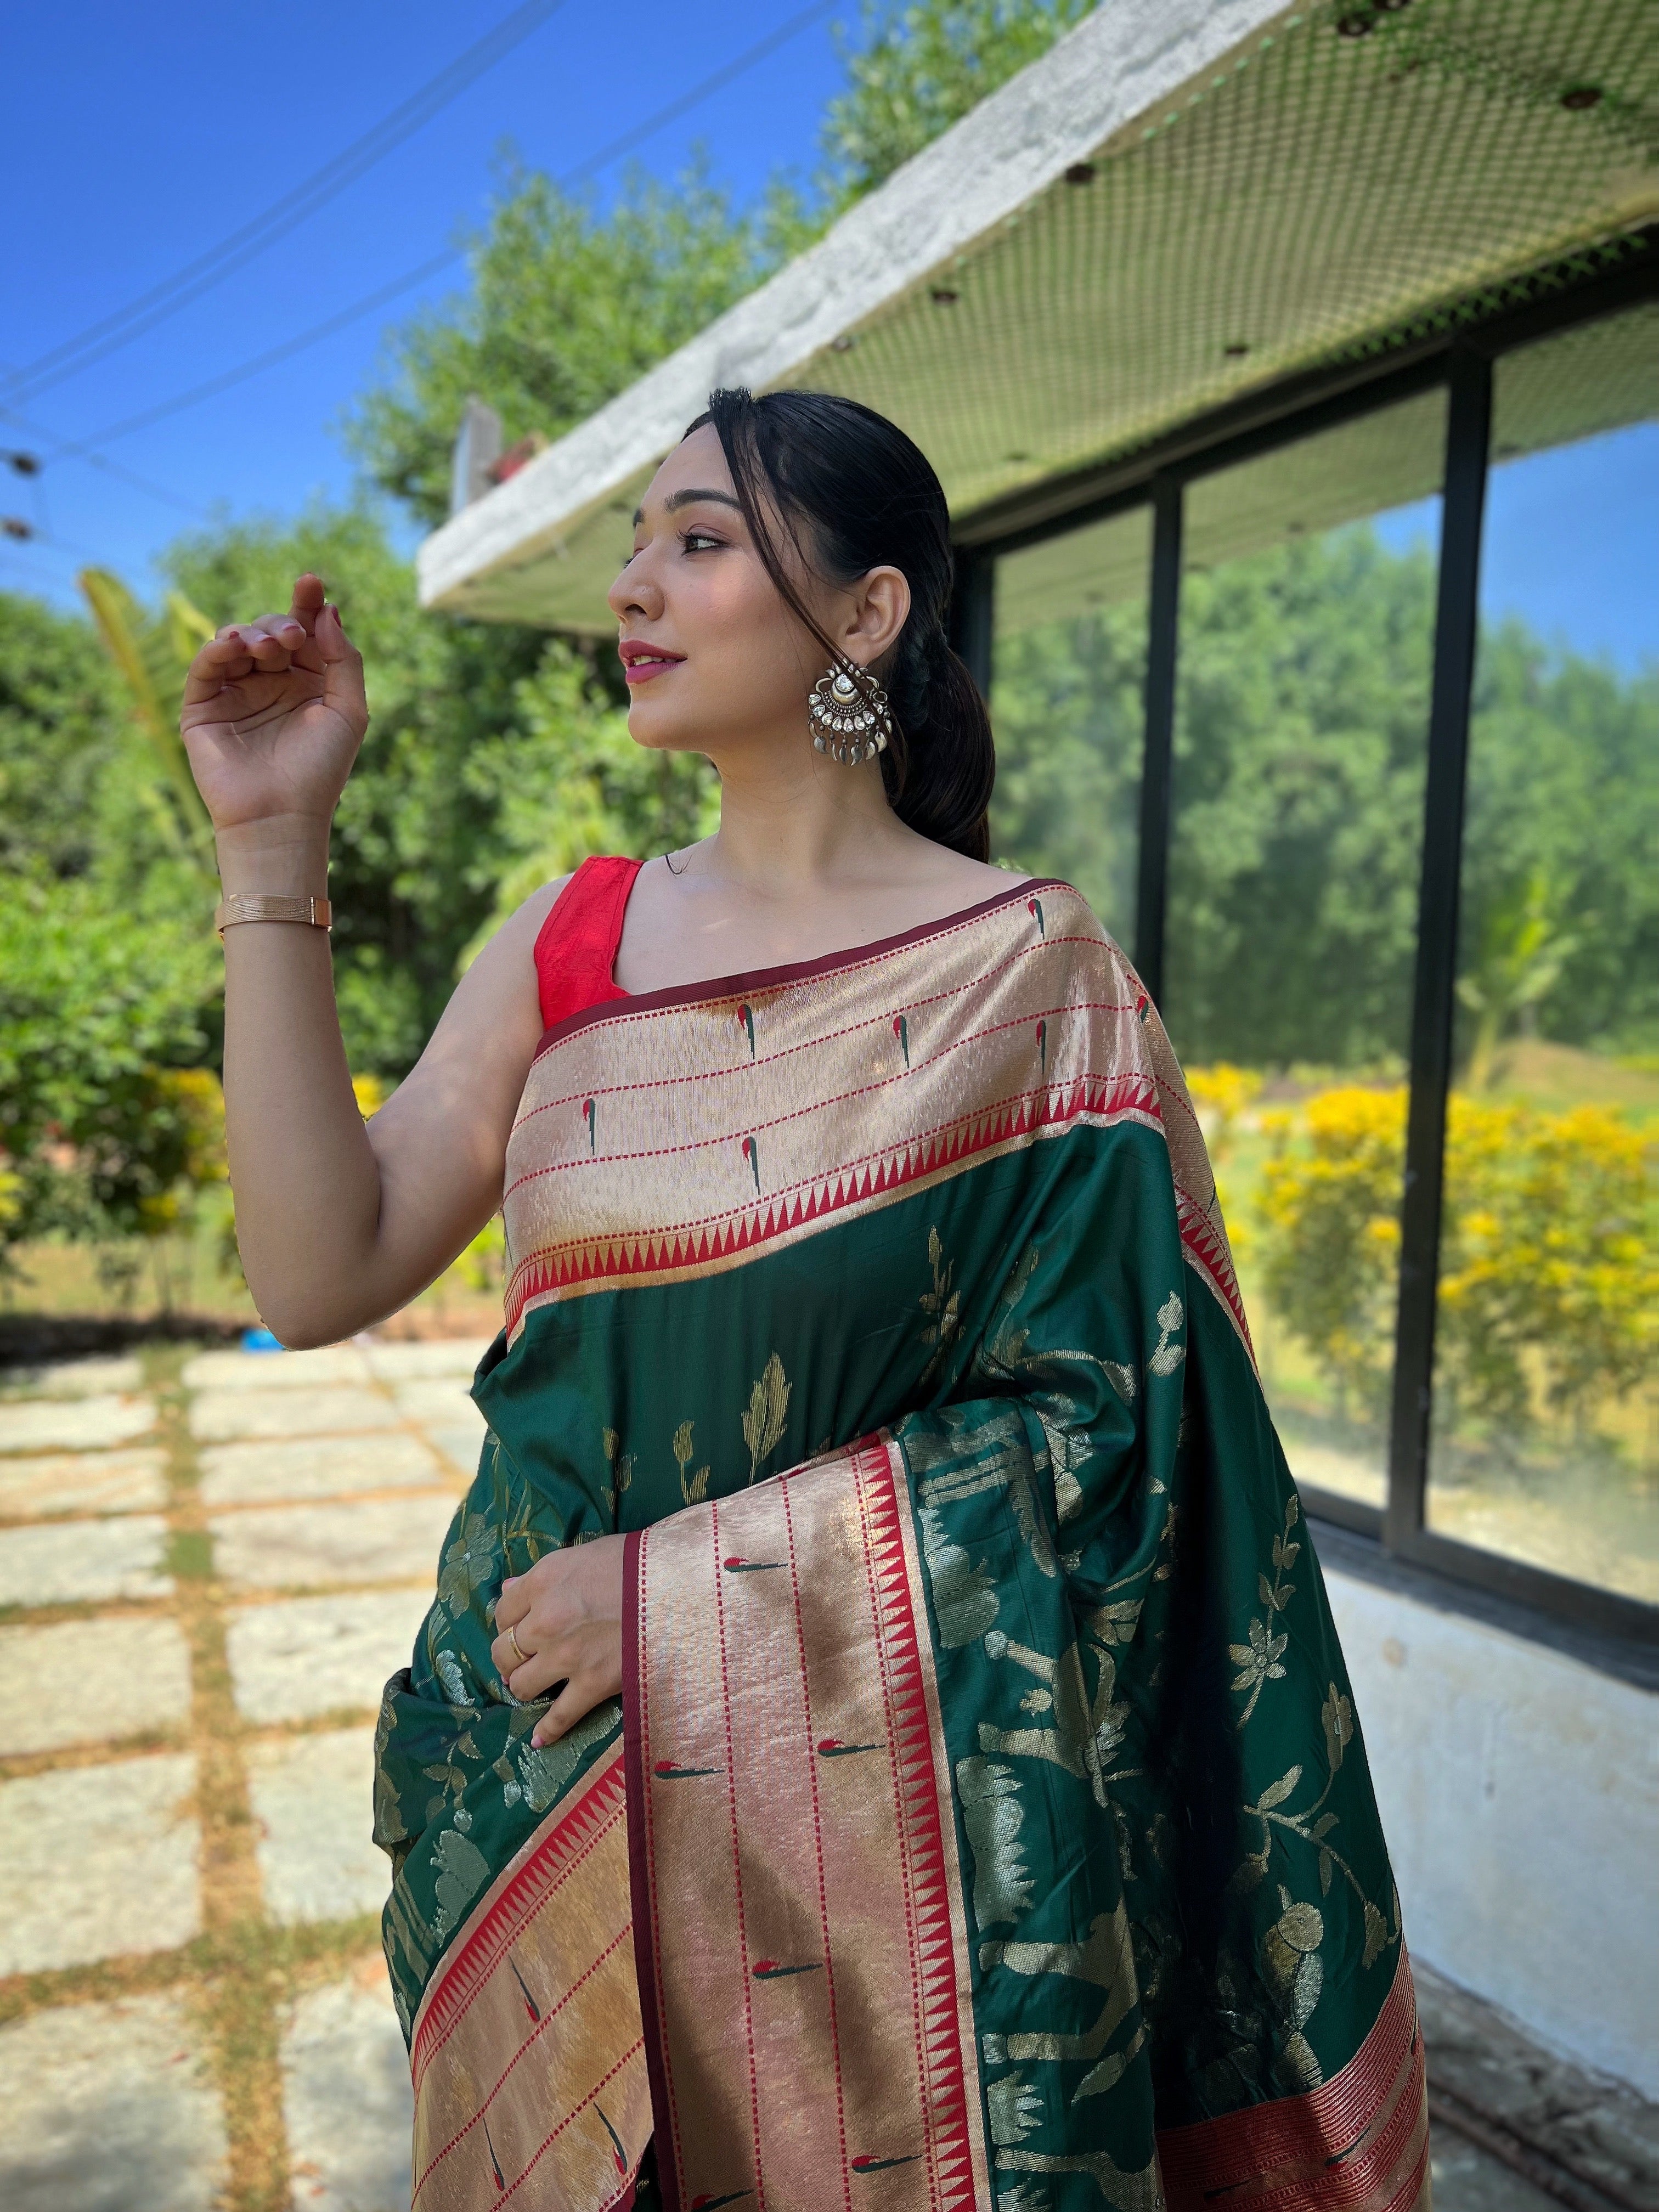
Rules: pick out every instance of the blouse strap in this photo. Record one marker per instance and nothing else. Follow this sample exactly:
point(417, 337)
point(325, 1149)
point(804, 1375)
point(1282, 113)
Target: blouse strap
point(575, 949)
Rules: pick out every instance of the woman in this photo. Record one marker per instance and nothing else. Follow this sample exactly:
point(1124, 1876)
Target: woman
point(880, 1738)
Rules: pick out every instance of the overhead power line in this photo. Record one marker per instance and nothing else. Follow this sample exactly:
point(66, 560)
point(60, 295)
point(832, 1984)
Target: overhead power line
point(120, 327)
point(386, 293)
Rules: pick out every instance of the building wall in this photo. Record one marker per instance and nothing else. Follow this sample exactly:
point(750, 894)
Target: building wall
point(1520, 1793)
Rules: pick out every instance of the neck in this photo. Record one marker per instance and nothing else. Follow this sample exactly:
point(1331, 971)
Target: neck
point(793, 822)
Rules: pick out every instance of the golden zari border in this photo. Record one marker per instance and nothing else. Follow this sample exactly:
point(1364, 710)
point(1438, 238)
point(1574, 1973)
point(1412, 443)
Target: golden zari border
point(804, 1962)
point(528, 2060)
point(669, 1139)
point(1359, 2143)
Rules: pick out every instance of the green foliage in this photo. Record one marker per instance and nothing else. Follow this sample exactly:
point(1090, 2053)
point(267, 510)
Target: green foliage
point(59, 733)
point(919, 69)
point(1564, 793)
point(1067, 708)
point(107, 1116)
point(567, 780)
point(568, 305)
point(1300, 751)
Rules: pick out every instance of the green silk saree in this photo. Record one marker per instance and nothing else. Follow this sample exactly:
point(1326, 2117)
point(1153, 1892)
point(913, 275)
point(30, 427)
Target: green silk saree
point(985, 1821)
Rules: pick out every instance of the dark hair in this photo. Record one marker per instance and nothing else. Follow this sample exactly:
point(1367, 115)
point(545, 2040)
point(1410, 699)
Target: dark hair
point(868, 498)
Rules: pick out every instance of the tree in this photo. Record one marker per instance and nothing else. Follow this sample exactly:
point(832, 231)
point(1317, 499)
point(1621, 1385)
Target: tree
point(568, 305)
point(60, 728)
point(571, 301)
point(918, 70)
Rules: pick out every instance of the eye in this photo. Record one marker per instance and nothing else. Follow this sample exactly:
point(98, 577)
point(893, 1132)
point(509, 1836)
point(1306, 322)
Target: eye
point(698, 541)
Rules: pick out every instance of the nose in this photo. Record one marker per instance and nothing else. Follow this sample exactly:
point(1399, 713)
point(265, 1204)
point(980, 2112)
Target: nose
point(636, 591)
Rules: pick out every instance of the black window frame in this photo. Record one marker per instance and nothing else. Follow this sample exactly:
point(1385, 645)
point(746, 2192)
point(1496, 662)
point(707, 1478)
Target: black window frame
point(1459, 360)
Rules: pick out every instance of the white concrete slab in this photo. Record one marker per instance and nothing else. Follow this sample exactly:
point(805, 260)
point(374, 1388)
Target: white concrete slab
point(301, 1657)
point(38, 1425)
point(404, 1363)
point(330, 1365)
point(74, 1378)
point(90, 1681)
point(313, 1797)
point(218, 1415)
point(101, 1861)
point(36, 1487)
point(384, 1540)
point(346, 2098)
point(295, 1467)
point(69, 1562)
point(1519, 1792)
point(108, 2108)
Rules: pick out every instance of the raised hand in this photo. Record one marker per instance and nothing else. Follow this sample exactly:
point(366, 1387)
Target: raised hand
point(274, 713)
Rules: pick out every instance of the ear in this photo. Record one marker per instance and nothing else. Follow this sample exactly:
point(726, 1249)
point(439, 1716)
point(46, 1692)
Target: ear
point(880, 606)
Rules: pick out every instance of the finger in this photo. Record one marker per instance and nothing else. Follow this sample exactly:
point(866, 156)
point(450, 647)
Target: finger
point(574, 1702)
point(221, 661)
point(309, 597)
point(342, 669)
point(541, 1673)
point(513, 1602)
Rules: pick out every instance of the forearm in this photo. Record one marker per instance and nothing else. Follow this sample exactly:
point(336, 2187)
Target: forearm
point(306, 1182)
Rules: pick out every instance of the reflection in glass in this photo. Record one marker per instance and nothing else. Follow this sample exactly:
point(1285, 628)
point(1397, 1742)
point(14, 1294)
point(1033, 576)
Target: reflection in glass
point(1545, 1430)
point(1068, 704)
point(1307, 633)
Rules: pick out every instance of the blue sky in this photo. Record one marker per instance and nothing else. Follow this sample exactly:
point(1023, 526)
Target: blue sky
point(134, 139)
point(1571, 542)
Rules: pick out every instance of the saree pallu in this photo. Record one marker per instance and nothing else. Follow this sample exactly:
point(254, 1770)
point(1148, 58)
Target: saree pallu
point(985, 1822)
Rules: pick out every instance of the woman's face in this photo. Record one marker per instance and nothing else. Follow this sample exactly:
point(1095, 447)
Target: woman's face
point(714, 659)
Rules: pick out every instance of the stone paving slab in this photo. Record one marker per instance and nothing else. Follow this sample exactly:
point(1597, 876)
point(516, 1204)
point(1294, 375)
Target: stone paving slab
point(460, 1446)
point(290, 1469)
point(90, 1681)
point(70, 1562)
point(404, 1363)
point(108, 2108)
point(99, 1861)
point(346, 2098)
point(439, 1399)
point(384, 1540)
point(32, 1488)
point(73, 1378)
point(301, 1657)
point(312, 1796)
point(94, 1424)
point(276, 1370)
point(217, 1416)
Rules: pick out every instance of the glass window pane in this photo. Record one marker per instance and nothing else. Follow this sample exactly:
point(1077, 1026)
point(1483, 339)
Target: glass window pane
point(1546, 1431)
point(1068, 704)
point(1307, 635)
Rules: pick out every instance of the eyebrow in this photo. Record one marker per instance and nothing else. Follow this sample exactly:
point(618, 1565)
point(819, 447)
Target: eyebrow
point(677, 500)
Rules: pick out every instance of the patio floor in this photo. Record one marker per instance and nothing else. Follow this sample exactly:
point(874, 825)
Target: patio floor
point(208, 1564)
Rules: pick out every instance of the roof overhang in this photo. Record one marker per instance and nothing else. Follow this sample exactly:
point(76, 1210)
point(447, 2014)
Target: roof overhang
point(1253, 191)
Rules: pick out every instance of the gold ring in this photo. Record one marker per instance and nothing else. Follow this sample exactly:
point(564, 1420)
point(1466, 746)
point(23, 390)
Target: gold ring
point(512, 1638)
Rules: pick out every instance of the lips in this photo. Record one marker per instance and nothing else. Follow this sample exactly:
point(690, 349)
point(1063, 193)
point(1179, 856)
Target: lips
point(640, 661)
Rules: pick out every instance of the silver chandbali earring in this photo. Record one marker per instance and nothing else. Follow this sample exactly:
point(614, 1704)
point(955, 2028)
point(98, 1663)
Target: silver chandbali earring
point(851, 722)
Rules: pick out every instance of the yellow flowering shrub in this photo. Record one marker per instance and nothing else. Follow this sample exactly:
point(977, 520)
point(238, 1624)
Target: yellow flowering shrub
point(1549, 1272)
point(1329, 1208)
point(1549, 1277)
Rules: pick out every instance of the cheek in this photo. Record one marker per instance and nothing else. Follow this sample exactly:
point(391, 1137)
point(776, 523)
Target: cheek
point(744, 666)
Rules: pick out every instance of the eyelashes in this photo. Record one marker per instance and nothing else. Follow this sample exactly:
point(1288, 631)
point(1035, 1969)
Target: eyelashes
point(693, 539)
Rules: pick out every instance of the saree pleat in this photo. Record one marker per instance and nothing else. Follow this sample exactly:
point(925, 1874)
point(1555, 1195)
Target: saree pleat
point(985, 1821)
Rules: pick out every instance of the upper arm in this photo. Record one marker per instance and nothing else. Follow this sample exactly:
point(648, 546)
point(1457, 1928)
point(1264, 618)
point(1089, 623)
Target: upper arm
point(440, 1139)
